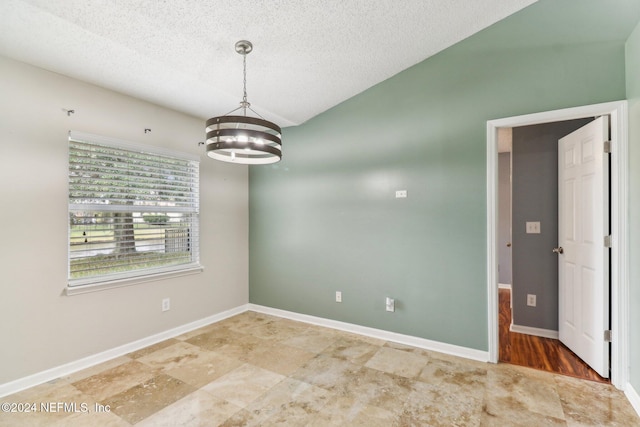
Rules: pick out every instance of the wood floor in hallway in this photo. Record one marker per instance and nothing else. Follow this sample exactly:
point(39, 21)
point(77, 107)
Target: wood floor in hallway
point(536, 352)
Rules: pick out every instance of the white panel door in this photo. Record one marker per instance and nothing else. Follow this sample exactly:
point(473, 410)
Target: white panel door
point(583, 259)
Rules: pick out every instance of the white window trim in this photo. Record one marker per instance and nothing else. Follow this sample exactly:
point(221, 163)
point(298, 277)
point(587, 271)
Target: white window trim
point(83, 286)
point(129, 281)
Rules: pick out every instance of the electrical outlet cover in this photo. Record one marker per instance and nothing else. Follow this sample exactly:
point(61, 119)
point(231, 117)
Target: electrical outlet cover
point(531, 300)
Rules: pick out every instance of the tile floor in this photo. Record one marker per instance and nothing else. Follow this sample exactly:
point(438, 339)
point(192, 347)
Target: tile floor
point(259, 370)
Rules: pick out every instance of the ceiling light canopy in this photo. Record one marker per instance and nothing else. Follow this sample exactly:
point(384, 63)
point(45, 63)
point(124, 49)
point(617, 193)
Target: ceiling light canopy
point(241, 138)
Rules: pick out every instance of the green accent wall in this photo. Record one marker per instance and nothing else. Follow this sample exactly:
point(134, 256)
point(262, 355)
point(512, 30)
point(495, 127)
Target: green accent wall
point(326, 219)
point(633, 95)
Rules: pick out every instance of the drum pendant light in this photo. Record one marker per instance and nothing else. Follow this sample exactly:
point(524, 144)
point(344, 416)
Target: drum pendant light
point(241, 138)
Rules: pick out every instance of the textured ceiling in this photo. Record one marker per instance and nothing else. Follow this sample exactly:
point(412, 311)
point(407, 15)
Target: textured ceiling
point(308, 56)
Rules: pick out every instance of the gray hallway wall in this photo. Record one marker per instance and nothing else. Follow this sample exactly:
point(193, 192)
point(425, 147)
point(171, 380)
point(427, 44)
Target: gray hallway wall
point(535, 198)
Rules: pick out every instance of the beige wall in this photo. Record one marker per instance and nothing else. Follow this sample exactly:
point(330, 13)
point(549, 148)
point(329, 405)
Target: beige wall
point(633, 95)
point(39, 327)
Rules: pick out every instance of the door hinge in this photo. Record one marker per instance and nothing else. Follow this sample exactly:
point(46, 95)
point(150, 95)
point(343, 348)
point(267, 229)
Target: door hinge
point(607, 335)
point(607, 241)
point(607, 146)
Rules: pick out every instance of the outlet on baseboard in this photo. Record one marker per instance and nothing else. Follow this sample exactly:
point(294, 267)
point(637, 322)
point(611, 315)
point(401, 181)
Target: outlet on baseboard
point(531, 300)
point(166, 304)
point(338, 296)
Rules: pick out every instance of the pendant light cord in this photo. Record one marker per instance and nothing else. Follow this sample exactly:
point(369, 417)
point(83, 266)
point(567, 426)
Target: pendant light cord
point(245, 103)
point(244, 48)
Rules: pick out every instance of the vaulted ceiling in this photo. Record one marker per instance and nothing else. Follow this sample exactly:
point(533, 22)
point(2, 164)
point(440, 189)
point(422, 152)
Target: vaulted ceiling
point(308, 56)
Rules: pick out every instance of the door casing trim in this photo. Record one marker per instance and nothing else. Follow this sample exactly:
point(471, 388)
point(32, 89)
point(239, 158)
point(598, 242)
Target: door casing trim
point(619, 224)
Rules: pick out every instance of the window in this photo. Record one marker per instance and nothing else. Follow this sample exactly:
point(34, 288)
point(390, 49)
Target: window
point(133, 210)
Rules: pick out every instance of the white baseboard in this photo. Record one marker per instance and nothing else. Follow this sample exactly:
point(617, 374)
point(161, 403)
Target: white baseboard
point(78, 365)
point(454, 350)
point(633, 396)
point(504, 286)
point(87, 362)
point(545, 333)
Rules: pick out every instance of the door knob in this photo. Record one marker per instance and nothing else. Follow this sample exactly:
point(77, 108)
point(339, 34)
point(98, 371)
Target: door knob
point(558, 250)
point(509, 244)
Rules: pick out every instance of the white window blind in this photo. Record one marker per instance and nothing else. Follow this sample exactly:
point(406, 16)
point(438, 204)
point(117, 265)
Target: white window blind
point(133, 210)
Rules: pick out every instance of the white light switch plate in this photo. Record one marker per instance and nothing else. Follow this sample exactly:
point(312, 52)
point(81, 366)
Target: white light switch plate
point(533, 227)
point(390, 304)
point(401, 194)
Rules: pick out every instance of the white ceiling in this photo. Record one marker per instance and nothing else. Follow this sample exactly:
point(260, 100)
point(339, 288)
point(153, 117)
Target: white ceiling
point(309, 55)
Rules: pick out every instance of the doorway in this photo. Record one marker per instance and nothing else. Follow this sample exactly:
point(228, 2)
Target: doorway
point(619, 223)
point(529, 311)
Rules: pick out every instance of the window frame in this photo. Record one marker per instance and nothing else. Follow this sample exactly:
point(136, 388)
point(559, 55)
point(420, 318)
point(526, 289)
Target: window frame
point(101, 281)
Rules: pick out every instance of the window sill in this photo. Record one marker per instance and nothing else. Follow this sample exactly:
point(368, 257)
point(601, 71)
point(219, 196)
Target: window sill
point(130, 281)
